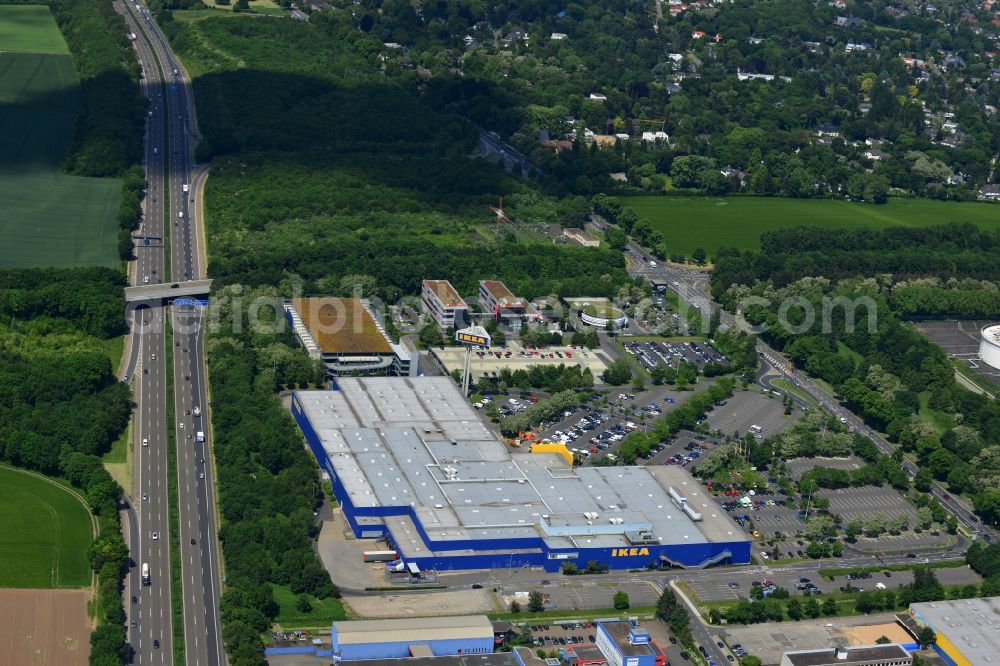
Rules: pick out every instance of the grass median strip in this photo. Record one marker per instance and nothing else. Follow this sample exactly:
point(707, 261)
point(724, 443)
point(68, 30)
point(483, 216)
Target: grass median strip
point(176, 589)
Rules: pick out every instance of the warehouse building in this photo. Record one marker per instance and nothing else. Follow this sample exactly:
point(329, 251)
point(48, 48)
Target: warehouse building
point(504, 306)
point(443, 304)
point(412, 637)
point(492, 659)
point(966, 629)
point(410, 462)
point(348, 338)
point(864, 655)
point(625, 643)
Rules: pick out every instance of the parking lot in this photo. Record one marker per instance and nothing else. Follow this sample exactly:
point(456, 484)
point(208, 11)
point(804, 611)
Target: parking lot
point(514, 356)
point(753, 407)
point(598, 428)
point(960, 339)
point(718, 588)
point(867, 501)
point(799, 466)
point(767, 513)
point(651, 354)
point(562, 635)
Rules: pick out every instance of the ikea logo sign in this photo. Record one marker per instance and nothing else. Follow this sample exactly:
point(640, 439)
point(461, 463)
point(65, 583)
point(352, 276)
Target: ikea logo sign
point(629, 552)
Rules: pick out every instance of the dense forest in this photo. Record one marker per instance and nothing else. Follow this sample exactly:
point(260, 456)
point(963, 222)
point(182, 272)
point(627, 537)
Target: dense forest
point(268, 483)
point(951, 251)
point(898, 381)
point(61, 408)
point(107, 138)
point(319, 175)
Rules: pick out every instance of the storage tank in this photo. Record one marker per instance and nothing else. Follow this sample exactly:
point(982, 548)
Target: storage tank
point(989, 346)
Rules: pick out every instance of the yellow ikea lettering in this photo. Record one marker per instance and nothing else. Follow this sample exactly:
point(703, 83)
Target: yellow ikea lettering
point(629, 552)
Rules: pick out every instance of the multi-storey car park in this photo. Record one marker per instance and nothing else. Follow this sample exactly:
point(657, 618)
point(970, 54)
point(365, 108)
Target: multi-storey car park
point(410, 462)
point(347, 337)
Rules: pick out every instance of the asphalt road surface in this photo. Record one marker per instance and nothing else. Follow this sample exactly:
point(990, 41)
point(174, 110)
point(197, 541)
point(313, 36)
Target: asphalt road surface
point(149, 631)
point(169, 169)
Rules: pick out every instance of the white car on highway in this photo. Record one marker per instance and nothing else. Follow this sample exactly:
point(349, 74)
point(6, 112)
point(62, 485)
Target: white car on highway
point(156, 535)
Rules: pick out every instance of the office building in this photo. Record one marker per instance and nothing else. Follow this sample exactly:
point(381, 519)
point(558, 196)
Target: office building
point(625, 643)
point(505, 308)
point(443, 304)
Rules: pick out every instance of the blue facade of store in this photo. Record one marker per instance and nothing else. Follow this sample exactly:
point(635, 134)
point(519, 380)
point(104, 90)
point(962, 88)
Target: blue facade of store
point(401, 649)
point(515, 553)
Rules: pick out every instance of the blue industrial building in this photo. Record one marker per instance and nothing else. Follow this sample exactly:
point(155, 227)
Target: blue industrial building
point(412, 637)
point(410, 462)
point(625, 643)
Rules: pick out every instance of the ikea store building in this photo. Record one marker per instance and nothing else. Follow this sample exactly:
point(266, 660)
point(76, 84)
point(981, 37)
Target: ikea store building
point(411, 462)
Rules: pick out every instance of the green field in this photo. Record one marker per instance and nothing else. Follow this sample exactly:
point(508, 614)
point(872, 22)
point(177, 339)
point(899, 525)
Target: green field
point(47, 218)
point(711, 223)
point(45, 536)
point(29, 28)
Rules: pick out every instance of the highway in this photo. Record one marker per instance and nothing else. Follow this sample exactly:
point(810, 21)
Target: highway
point(491, 144)
point(201, 584)
point(150, 618)
point(692, 287)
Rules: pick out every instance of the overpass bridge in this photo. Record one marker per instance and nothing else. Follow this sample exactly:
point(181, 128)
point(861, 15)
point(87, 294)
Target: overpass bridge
point(167, 291)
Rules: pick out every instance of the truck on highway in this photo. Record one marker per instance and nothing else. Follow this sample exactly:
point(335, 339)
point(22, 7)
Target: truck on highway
point(145, 573)
point(199, 436)
point(184, 187)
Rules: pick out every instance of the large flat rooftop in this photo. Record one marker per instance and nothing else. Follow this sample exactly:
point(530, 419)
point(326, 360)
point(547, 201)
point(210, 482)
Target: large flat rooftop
point(619, 633)
point(970, 625)
point(489, 659)
point(413, 629)
point(502, 294)
point(417, 442)
point(445, 293)
point(855, 655)
point(341, 325)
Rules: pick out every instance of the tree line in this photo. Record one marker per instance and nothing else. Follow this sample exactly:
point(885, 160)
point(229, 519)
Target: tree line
point(268, 487)
point(685, 416)
point(947, 251)
point(882, 369)
point(107, 138)
point(62, 408)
